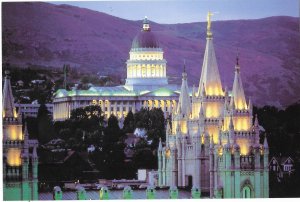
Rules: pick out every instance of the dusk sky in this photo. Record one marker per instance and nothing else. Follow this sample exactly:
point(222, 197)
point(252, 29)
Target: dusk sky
point(181, 11)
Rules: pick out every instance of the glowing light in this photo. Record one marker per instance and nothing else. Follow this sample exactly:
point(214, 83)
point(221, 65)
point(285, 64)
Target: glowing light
point(226, 124)
point(168, 153)
point(213, 89)
point(202, 139)
point(214, 132)
point(240, 104)
point(183, 128)
point(14, 157)
point(244, 145)
point(14, 132)
point(163, 92)
point(212, 110)
point(220, 151)
point(241, 123)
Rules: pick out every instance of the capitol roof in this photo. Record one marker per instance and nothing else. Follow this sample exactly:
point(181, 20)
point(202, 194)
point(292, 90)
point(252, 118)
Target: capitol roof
point(145, 38)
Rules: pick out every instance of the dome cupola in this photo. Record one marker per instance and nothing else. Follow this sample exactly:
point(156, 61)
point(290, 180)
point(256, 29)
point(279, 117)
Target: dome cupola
point(145, 38)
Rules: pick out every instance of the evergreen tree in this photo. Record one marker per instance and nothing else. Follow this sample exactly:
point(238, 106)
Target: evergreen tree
point(113, 148)
point(128, 125)
point(45, 125)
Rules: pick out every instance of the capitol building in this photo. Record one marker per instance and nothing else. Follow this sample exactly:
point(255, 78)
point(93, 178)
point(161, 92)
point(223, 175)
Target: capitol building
point(146, 84)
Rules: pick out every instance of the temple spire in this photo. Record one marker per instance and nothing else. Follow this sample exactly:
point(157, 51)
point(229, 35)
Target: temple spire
point(8, 106)
point(238, 94)
point(184, 104)
point(210, 77)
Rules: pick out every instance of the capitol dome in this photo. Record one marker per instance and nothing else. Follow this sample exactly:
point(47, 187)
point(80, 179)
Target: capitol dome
point(145, 39)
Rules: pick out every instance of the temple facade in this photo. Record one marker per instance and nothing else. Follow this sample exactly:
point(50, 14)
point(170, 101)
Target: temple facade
point(20, 160)
point(211, 142)
point(146, 84)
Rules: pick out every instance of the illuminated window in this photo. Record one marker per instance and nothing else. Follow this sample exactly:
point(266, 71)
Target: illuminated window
point(168, 153)
point(14, 157)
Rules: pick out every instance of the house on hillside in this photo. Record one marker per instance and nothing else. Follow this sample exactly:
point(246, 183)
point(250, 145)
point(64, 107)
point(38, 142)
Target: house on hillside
point(65, 166)
point(281, 166)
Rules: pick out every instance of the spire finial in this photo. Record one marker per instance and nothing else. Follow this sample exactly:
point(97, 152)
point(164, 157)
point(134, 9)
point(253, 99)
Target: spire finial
point(237, 57)
point(184, 74)
point(209, 33)
point(146, 26)
point(7, 72)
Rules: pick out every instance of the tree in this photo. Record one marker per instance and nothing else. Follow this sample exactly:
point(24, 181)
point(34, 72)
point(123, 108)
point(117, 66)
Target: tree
point(113, 148)
point(45, 125)
point(128, 125)
point(89, 118)
point(143, 156)
point(154, 122)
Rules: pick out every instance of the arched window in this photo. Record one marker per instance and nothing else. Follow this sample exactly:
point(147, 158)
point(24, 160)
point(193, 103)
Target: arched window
point(246, 192)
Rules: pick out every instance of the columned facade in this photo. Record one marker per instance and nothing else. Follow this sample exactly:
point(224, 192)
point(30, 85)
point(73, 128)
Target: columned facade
point(146, 84)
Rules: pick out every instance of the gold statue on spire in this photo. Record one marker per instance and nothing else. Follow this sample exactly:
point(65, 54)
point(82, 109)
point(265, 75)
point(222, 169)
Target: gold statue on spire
point(209, 33)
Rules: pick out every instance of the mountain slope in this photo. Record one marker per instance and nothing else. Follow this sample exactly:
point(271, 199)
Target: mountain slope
point(51, 35)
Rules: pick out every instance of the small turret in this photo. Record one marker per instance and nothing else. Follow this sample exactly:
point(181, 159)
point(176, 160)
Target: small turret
point(8, 105)
point(231, 126)
point(201, 112)
point(168, 129)
point(250, 105)
point(238, 94)
point(211, 145)
point(34, 154)
point(194, 91)
point(184, 103)
point(256, 121)
point(227, 145)
point(266, 146)
point(25, 152)
point(160, 145)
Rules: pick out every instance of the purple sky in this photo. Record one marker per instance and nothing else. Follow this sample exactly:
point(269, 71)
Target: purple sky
point(181, 11)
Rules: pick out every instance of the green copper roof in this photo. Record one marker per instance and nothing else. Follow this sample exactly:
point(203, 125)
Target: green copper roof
point(117, 91)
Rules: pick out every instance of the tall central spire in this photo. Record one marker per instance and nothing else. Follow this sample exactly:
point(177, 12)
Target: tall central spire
point(184, 105)
point(8, 106)
point(210, 77)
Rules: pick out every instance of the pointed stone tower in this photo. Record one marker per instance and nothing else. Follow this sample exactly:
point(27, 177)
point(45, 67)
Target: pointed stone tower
point(184, 103)
point(238, 96)
point(20, 175)
point(210, 81)
point(210, 92)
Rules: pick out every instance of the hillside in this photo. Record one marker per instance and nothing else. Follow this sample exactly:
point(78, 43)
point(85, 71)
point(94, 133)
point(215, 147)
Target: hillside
point(51, 35)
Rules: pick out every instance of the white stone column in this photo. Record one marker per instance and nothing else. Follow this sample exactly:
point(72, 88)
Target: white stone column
point(108, 109)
